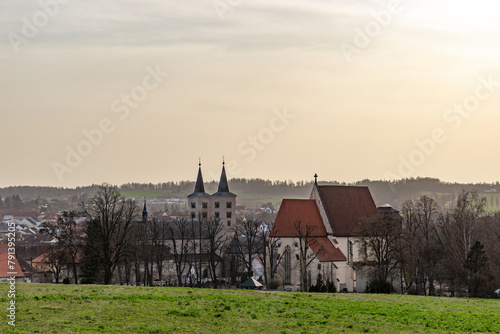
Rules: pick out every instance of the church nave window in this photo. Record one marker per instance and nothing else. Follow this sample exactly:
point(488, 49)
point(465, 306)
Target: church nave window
point(288, 266)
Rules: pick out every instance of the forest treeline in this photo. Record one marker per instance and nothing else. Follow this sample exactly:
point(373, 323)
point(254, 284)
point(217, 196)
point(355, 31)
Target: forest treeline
point(392, 192)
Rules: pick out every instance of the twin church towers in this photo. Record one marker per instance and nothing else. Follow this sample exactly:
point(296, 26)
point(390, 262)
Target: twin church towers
point(221, 205)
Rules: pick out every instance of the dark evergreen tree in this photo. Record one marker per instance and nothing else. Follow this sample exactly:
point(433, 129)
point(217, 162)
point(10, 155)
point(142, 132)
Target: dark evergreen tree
point(475, 263)
point(330, 287)
point(17, 203)
point(7, 203)
point(320, 286)
point(91, 268)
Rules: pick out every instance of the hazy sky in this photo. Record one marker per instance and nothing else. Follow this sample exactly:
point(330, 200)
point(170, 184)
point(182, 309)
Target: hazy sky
point(137, 91)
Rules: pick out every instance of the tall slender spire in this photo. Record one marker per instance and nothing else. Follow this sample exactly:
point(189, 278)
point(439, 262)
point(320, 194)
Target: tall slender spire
point(315, 179)
point(199, 187)
point(223, 185)
point(145, 212)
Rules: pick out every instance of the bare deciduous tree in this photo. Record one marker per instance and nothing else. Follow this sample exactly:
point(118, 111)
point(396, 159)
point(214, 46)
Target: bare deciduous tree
point(381, 245)
point(109, 217)
point(179, 235)
point(56, 259)
point(270, 257)
point(69, 240)
point(458, 229)
point(249, 242)
point(304, 234)
point(159, 232)
point(423, 251)
point(215, 241)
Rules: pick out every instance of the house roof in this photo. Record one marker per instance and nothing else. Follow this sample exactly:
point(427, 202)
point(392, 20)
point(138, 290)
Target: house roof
point(251, 283)
point(295, 210)
point(22, 213)
point(346, 206)
point(42, 258)
point(39, 238)
point(4, 248)
point(5, 269)
point(388, 210)
point(26, 267)
point(326, 251)
point(45, 257)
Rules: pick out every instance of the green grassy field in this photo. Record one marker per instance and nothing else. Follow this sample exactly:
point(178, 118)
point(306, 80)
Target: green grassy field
point(492, 199)
point(147, 193)
point(251, 200)
point(44, 308)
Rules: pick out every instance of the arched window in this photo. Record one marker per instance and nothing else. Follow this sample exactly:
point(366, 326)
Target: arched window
point(288, 265)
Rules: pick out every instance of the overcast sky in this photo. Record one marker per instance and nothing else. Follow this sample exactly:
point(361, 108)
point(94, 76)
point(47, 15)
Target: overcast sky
point(138, 91)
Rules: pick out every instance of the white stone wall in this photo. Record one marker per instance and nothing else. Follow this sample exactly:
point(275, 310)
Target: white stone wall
point(223, 210)
point(199, 210)
point(338, 272)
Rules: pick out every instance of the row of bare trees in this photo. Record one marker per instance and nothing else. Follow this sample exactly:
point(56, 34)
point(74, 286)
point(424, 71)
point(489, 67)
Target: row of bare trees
point(454, 249)
point(112, 244)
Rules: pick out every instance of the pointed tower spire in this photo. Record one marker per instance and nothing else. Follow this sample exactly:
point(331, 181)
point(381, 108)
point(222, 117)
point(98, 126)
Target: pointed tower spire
point(223, 185)
point(199, 187)
point(145, 212)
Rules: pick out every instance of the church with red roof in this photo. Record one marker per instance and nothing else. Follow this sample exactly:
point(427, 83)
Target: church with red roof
point(318, 236)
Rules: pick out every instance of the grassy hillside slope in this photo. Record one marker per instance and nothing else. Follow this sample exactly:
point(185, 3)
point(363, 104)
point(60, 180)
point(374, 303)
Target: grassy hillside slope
point(117, 309)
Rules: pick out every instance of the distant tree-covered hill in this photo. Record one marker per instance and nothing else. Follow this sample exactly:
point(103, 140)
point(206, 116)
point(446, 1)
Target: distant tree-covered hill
point(252, 192)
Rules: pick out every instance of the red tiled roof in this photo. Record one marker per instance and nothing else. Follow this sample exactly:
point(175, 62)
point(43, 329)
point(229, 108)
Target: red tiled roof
point(325, 250)
point(295, 210)
point(22, 213)
point(346, 206)
point(44, 258)
point(4, 248)
point(4, 266)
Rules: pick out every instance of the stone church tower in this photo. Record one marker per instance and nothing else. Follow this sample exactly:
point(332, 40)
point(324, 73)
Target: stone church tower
point(199, 202)
point(221, 205)
point(224, 202)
